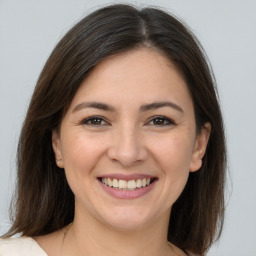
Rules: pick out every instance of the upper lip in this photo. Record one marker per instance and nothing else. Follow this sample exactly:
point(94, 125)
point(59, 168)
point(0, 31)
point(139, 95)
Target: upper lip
point(120, 176)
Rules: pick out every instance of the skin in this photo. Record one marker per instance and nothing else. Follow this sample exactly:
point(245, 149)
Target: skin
point(126, 140)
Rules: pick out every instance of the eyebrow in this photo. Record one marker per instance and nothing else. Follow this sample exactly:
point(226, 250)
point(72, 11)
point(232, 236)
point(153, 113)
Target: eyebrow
point(156, 105)
point(143, 108)
point(93, 104)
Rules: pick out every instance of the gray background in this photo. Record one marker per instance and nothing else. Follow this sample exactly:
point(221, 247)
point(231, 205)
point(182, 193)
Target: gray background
point(227, 29)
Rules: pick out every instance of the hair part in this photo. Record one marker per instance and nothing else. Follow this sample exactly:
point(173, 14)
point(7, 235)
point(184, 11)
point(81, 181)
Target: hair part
point(44, 202)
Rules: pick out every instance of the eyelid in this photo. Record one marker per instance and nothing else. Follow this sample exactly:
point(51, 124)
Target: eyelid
point(171, 121)
point(85, 120)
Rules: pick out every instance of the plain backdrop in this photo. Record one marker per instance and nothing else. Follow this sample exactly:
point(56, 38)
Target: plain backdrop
point(226, 28)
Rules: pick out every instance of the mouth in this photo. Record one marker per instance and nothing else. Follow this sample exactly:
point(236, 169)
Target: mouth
point(127, 185)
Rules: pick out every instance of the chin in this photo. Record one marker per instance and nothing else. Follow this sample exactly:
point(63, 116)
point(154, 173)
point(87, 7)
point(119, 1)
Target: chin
point(125, 223)
point(127, 219)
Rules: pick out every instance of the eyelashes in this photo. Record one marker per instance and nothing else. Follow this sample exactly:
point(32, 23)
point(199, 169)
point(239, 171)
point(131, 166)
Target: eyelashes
point(161, 121)
point(99, 121)
point(95, 121)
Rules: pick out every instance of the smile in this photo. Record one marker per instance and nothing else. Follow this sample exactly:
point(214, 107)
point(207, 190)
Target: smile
point(129, 185)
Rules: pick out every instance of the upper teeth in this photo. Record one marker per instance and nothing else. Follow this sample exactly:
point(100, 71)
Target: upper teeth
point(123, 184)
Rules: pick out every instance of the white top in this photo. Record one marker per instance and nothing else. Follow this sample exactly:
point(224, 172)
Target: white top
point(22, 246)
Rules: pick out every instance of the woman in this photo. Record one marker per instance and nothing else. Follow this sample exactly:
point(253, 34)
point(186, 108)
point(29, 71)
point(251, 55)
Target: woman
point(122, 151)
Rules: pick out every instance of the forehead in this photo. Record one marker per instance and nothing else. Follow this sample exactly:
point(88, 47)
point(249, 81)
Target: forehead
point(138, 75)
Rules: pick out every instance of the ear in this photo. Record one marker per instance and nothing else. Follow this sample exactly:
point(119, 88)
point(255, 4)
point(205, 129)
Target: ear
point(200, 147)
point(56, 145)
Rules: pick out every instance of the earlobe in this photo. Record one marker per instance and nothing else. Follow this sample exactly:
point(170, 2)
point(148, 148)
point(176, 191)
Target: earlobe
point(200, 147)
point(57, 149)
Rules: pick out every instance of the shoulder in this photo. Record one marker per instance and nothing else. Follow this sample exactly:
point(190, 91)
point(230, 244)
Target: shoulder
point(22, 246)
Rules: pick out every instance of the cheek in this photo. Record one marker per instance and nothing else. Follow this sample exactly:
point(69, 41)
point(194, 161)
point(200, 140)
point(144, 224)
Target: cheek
point(80, 149)
point(81, 154)
point(174, 153)
point(173, 156)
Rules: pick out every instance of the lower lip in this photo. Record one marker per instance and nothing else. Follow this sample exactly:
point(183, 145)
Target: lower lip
point(127, 194)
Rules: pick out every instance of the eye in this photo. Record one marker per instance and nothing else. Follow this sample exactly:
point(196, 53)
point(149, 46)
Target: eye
point(161, 121)
point(94, 121)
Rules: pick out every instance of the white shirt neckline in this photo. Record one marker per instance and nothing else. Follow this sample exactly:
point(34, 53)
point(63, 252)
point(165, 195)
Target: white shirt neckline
point(26, 246)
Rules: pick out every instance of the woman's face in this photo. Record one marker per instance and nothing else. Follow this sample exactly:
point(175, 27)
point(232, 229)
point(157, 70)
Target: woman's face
point(130, 124)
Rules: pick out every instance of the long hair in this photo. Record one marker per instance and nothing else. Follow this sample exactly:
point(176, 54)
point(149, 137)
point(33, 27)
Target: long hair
point(44, 202)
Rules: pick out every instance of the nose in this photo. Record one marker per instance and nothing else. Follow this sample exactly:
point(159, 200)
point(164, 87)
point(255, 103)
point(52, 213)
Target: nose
point(127, 147)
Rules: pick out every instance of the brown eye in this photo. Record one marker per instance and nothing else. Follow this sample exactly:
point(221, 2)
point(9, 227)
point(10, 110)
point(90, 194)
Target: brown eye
point(161, 121)
point(94, 121)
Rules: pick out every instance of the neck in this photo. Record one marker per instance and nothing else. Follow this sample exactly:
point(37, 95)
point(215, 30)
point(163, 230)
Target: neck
point(88, 236)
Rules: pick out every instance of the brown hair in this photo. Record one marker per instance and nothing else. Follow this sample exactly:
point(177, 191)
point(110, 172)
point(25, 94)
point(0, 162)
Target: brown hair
point(44, 202)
